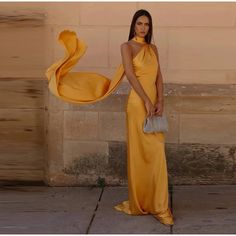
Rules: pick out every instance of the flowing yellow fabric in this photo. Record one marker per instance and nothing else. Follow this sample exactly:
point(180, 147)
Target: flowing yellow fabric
point(147, 170)
point(78, 87)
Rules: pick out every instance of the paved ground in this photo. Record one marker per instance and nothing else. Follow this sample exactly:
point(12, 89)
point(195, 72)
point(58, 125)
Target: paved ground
point(39, 209)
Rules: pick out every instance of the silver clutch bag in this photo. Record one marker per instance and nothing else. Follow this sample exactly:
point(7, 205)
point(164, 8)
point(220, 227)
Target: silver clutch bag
point(155, 124)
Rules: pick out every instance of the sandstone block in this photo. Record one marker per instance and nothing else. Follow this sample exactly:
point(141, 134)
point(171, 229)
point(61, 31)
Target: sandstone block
point(208, 128)
point(112, 126)
point(13, 118)
point(81, 125)
point(172, 104)
point(56, 104)
point(112, 103)
point(54, 140)
point(95, 56)
point(21, 93)
point(191, 13)
point(160, 37)
point(202, 49)
point(22, 49)
point(60, 12)
point(191, 90)
point(22, 175)
point(231, 77)
point(118, 160)
point(201, 163)
point(115, 13)
point(196, 77)
point(172, 136)
point(117, 37)
point(22, 5)
point(21, 156)
point(79, 149)
point(207, 104)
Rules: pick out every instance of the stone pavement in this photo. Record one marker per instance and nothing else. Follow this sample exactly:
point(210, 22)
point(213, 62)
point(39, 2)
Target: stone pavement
point(81, 210)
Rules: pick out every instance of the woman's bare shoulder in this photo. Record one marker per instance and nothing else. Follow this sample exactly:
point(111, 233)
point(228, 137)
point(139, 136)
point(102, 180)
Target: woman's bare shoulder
point(128, 44)
point(127, 47)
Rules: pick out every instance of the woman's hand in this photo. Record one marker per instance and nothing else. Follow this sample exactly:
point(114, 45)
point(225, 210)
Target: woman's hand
point(159, 108)
point(150, 108)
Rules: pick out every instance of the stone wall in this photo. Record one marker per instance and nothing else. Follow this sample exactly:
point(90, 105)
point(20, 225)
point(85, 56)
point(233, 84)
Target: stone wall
point(22, 61)
point(73, 144)
point(196, 40)
point(21, 130)
point(90, 140)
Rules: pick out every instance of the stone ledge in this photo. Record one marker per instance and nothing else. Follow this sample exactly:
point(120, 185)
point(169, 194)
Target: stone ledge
point(172, 89)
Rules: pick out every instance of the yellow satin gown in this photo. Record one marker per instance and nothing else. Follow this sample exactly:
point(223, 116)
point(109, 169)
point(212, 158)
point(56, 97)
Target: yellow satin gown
point(146, 161)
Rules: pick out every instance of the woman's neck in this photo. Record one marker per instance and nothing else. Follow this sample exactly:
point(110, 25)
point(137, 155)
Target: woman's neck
point(139, 39)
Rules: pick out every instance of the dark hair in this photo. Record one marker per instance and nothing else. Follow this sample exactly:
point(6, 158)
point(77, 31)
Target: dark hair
point(137, 14)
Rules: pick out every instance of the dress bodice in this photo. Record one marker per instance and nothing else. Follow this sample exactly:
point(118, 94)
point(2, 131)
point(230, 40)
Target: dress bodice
point(145, 63)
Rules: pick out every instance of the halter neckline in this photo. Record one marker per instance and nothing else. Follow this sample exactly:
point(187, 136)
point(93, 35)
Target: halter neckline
point(139, 39)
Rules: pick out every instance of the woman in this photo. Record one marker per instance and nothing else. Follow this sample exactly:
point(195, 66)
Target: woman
point(147, 172)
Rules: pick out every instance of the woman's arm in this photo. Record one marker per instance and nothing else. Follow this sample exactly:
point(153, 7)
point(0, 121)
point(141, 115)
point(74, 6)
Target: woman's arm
point(127, 61)
point(159, 84)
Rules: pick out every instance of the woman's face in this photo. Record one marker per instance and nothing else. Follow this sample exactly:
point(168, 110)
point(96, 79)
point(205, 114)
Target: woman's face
point(142, 26)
